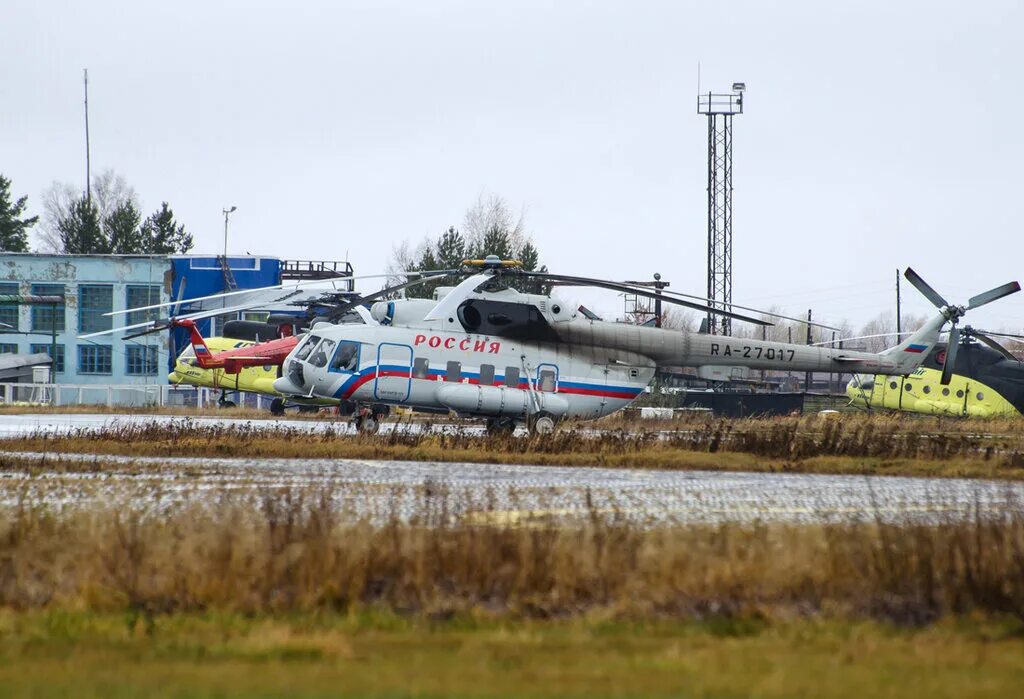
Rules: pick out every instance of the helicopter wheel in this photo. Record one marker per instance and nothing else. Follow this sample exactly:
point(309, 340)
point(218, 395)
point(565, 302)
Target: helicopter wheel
point(226, 404)
point(367, 425)
point(277, 406)
point(500, 427)
point(542, 424)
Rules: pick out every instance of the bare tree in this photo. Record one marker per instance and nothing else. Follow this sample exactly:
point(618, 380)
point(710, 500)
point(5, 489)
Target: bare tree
point(109, 192)
point(491, 213)
point(679, 318)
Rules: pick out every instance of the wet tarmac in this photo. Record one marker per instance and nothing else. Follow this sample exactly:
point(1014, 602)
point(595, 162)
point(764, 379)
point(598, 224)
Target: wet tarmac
point(514, 494)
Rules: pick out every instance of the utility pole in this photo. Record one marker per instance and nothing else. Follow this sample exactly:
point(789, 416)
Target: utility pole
point(658, 286)
point(808, 376)
point(88, 164)
point(899, 315)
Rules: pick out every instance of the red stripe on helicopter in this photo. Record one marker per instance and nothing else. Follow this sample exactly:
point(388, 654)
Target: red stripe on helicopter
point(626, 394)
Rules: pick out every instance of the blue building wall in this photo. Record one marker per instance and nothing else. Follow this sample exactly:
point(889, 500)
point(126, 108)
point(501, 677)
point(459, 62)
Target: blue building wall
point(202, 276)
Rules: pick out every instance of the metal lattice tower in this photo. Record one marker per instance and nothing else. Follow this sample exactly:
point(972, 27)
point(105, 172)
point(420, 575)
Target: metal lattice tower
point(720, 109)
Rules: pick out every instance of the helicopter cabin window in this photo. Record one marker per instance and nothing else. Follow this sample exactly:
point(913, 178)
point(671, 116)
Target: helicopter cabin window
point(927, 389)
point(486, 374)
point(959, 394)
point(547, 381)
point(945, 391)
point(307, 347)
point(420, 368)
point(512, 376)
point(980, 396)
point(892, 385)
point(454, 372)
point(346, 358)
point(321, 353)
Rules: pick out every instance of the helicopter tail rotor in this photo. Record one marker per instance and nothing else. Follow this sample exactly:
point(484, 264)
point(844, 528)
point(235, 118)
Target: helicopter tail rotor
point(953, 313)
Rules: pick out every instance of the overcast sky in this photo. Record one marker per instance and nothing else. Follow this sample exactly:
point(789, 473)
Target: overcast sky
point(876, 135)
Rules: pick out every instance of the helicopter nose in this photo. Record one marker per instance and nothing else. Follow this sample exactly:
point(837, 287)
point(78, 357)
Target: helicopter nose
point(285, 386)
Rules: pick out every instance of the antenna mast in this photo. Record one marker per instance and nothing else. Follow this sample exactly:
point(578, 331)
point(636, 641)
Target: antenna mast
point(88, 165)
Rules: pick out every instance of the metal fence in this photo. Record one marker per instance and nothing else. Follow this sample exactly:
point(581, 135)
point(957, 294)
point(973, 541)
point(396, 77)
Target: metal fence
point(127, 396)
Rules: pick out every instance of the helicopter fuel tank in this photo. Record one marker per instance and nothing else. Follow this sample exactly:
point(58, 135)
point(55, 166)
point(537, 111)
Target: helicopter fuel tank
point(499, 401)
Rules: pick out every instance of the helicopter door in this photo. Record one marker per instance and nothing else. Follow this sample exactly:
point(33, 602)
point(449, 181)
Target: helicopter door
point(394, 372)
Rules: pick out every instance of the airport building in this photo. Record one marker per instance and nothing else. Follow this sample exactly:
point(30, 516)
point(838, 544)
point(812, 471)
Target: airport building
point(94, 285)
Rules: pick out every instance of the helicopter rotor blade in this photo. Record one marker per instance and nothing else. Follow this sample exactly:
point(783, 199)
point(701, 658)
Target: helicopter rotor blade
point(993, 294)
point(951, 349)
point(926, 290)
point(802, 321)
point(618, 286)
point(1001, 334)
point(993, 344)
point(340, 311)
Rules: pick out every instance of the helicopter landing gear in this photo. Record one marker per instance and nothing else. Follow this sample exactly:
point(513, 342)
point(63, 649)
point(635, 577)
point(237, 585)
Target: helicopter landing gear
point(223, 401)
point(367, 421)
point(277, 406)
point(501, 426)
point(542, 424)
point(367, 425)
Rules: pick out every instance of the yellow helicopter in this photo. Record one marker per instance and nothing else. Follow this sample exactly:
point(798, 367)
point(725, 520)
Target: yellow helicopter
point(980, 379)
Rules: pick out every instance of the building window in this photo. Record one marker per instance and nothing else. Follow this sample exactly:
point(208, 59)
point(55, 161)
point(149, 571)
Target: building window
point(8, 348)
point(93, 301)
point(94, 359)
point(9, 311)
point(139, 295)
point(141, 360)
point(45, 317)
point(45, 348)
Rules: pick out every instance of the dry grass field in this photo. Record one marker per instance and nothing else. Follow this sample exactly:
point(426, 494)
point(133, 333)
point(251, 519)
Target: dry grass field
point(281, 593)
point(851, 444)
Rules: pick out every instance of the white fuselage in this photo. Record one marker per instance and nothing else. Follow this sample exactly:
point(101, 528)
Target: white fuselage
point(471, 374)
point(581, 368)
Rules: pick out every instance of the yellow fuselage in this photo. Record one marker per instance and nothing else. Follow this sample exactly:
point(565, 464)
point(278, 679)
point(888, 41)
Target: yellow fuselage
point(923, 392)
point(258, 379)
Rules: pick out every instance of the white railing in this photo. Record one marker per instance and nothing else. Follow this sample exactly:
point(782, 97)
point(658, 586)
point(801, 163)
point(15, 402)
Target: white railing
point(124, 395)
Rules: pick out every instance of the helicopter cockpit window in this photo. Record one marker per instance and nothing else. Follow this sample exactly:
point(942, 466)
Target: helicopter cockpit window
point(319, 356)
point(187, 353)
point(346, 358)
point(307, 347)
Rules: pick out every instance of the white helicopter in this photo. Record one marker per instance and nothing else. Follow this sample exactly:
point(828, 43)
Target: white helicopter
point(485, 350)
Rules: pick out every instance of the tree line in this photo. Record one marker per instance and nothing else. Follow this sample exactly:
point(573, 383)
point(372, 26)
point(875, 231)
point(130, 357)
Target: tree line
point(106, 220)
point(488, 228)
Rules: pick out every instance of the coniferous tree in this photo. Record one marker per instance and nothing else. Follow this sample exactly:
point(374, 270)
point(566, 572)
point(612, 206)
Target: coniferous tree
point(13, 228)
point(123, 230)
point(451, 249)
point(161, 235)
point(80, 231)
